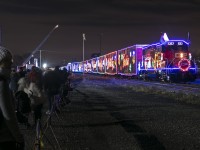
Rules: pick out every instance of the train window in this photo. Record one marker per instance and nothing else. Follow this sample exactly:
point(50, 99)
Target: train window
point(170, 43)
point(176, 47)
point(180, 43)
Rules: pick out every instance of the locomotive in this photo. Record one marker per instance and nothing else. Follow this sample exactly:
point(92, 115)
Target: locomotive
point(168, 60)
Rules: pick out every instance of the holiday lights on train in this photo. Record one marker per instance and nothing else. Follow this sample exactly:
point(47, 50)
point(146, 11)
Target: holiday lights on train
point(168, 60)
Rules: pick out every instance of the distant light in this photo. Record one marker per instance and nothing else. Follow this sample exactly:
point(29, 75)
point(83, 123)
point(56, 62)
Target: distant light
point(44, 65)
point(57, 26)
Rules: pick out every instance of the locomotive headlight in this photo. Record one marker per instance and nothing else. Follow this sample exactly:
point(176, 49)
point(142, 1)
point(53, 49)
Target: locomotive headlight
point(181, 55)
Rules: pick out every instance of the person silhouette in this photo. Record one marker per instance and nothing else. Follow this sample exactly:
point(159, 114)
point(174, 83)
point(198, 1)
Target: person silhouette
point(10, 135)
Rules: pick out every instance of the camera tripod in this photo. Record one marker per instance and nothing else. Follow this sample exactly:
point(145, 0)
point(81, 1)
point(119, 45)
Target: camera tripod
point(48, 125)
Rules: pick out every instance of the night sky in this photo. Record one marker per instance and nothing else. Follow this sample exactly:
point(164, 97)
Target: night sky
point(118, 23)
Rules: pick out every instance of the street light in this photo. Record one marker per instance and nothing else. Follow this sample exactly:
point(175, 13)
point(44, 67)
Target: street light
point(44, 65)
point(40, 58)
point(83, 45)
point(83, 50)
point(38, 47)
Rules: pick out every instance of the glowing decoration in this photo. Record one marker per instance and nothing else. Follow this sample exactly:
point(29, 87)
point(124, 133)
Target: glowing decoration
point(139, 66)
point(184, 64)
point(190, 56)
point(161, 56)
point(165, 37)
point(163, 43)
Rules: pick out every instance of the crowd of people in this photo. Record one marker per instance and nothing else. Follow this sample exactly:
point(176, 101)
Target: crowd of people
point(39, 86)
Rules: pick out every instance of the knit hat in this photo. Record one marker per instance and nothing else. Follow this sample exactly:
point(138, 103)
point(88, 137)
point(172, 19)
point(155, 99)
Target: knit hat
point(4, 54)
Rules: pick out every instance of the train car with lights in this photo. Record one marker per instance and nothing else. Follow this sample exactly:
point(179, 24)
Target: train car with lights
point(168, 60)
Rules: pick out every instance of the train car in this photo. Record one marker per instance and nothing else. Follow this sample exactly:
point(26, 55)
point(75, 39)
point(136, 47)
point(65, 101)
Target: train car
point(128, 58)
point(170, 60)
point(80, 66)
point(94, 65)
point(89, 66)
point(111, 63)
point(74, 66)
point(101, 64)
point(69, 66)
point(84, 65)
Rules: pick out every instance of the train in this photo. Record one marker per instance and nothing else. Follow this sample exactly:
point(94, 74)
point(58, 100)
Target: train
point(167, 60)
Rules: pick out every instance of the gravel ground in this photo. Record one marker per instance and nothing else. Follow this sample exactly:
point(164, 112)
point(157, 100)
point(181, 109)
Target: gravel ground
point(104, 115)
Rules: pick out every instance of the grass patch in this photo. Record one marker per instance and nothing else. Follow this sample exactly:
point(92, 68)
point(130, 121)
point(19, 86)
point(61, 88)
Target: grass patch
point(185, 97)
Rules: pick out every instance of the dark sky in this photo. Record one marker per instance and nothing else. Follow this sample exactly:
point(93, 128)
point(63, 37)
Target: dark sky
point(121, 23)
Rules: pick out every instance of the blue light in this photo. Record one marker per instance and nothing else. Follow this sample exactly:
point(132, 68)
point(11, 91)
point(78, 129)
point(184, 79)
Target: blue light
point(159, 44)
point(155, 44)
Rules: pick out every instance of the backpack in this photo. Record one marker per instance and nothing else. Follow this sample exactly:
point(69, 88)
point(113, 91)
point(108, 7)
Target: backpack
point(23, 102)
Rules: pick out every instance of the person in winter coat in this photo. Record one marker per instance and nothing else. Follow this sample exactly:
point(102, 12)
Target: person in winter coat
point(10, 135)
point(52, 83)
point(13, 81)
point(37, 99)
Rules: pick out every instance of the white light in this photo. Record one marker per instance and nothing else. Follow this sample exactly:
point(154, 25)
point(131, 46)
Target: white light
point(84, 38)
point(44, 65)
point(181, 55)
point(165, 37)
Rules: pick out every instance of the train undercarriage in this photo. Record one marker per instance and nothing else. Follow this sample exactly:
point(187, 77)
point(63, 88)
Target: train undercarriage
point(167, 76)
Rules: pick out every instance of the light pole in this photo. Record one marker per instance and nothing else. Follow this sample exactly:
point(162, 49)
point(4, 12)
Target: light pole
point(83, 50)
point(38, 47)
point(40, 58)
